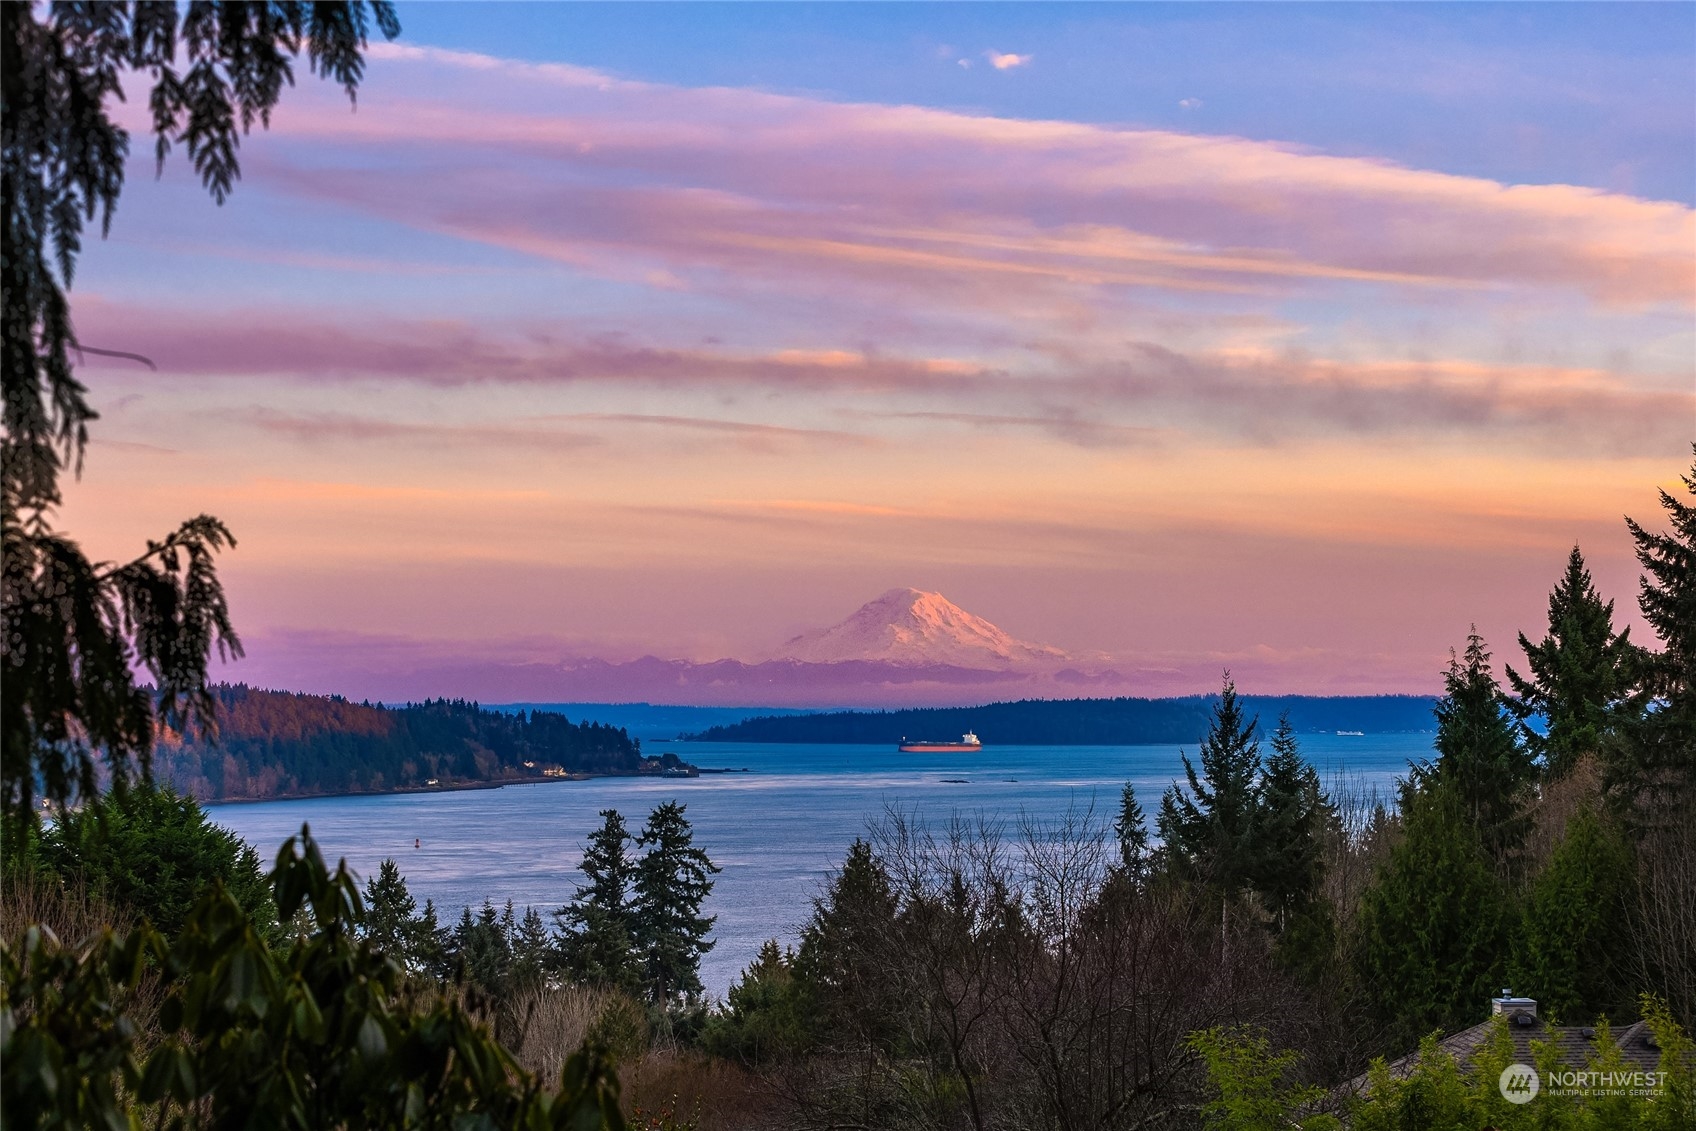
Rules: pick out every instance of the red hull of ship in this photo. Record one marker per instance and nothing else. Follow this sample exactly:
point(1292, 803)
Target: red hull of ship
point(937, 747)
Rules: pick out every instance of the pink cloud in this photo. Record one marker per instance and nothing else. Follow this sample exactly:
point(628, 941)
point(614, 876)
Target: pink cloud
point(744, 181)
point(541, 433)
point(1142, 394)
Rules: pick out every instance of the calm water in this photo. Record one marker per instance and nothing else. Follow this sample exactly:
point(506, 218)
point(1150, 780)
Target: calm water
point(776, 831)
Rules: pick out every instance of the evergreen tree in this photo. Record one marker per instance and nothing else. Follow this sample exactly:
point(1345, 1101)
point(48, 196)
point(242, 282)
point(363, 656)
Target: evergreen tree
point(1653, 767)
point(1578, 675)
point(673, 879)
point(1293, 813)
point(1132, 830)
point(845, 952)
point(1569, 955)
point(1210, 830)
point(596, 945)
point(1479, 756)
point(532, 952)
point(765, 1014)
point(431, 945)
point(483, 948)
point(1436, 924)
point(390, 913)
point(155, 852)
point(508, 926)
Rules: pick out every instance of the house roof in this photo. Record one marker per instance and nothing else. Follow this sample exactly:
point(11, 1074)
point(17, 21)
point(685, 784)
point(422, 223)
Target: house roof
point(1576, 1044)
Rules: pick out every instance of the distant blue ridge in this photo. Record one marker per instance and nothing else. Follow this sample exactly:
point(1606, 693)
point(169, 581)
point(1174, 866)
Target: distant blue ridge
point(1078, 722)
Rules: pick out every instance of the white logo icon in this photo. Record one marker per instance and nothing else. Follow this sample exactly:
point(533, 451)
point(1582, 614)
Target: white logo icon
point(1519, 1084)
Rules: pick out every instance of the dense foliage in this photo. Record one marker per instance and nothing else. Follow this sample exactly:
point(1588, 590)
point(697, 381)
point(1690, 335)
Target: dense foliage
point(1078, 722)
point(277, 744)
point(153, 853)
point(1436, 926)
point(1253, 1088)
point(319, 1032)
point(1294, 814)
point(1573, 912)
point(76, 632)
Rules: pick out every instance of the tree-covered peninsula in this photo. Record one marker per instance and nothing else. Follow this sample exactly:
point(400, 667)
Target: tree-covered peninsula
point(271, 744)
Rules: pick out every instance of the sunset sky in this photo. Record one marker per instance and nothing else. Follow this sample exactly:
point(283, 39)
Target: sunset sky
point(1291, 339)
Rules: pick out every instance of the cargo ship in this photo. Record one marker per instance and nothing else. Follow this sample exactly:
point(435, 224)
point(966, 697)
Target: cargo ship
point(968, 742)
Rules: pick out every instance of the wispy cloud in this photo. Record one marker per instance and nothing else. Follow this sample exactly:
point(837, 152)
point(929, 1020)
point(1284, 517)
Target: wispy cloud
point(542, 433)
point(755, 184)
point(1267, 397)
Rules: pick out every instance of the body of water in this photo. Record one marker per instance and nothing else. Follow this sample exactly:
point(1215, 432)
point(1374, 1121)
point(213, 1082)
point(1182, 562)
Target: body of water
point(777, 831)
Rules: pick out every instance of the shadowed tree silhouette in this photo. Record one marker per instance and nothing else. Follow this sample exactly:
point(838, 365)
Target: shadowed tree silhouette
point(1653, 766)
point(77, 632)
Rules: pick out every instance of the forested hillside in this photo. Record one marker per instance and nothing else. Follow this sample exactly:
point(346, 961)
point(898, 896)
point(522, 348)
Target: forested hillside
point(1082, 722)
point(279, 744)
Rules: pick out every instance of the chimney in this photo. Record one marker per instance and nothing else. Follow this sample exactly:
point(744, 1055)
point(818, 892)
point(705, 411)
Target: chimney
point(1520, 1010)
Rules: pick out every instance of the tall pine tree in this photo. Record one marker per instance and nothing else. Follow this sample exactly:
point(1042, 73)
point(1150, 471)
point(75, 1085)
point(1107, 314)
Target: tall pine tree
point(1293, 811)
point(432, 946)
point(532, 952)
point(1479, 756)
point(596, 943)
point(673, 879)
point(1578, 675)
point(1209, 831)
point(390, 913)
point(1653, 767)
point(1132, 830)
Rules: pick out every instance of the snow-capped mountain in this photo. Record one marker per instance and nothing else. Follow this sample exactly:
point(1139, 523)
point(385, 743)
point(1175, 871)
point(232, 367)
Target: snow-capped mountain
point(909, 626)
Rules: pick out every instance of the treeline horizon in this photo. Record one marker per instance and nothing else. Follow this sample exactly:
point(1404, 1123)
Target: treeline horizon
point(277, 744)
point(1118, 721)
point(273, 745)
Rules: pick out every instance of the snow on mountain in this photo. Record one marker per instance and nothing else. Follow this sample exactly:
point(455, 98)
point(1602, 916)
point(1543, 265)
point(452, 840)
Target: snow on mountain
point(909, 626)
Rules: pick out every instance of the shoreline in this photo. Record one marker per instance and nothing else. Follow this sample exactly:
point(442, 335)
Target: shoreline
point(458, 787)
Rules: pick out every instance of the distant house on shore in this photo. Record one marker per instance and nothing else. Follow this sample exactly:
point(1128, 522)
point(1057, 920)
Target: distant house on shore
point(551, 771)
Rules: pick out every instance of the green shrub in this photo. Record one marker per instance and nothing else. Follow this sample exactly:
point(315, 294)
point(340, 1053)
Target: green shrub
point(321, 1034)
point(155, 853)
